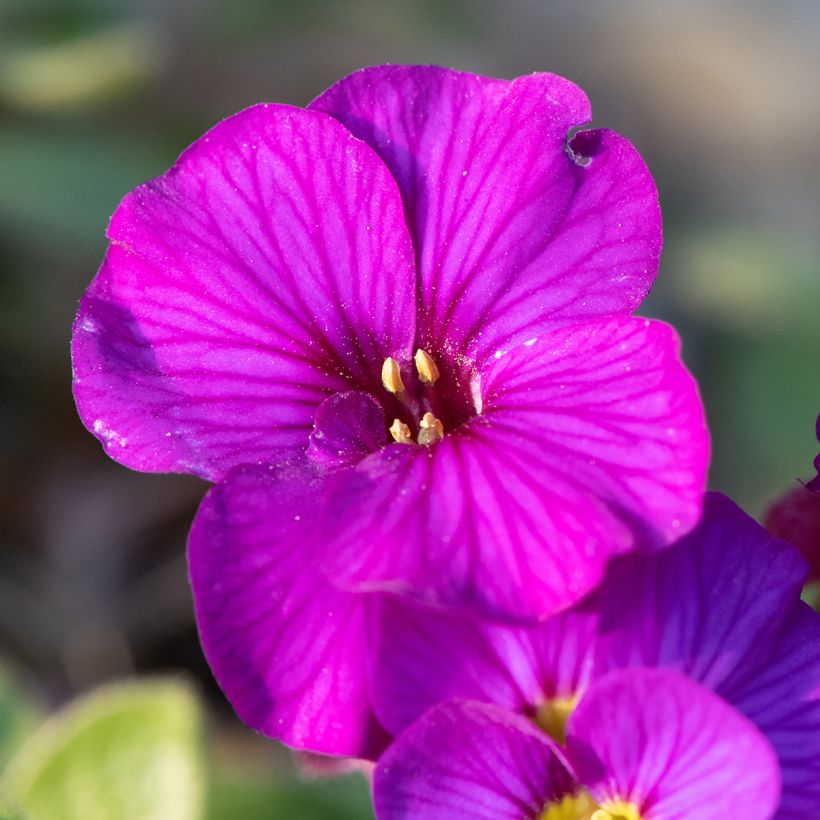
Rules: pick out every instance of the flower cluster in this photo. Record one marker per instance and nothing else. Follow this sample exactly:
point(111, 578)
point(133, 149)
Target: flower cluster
point(458, 524)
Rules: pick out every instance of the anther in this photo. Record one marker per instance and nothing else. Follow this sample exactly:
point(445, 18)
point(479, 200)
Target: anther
point(428, 372)
point(391, 376)
point(431, 430)
point(400, 432)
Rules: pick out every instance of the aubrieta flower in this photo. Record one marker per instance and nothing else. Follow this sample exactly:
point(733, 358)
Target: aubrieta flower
point(422, 286)
point(643, 744)
point(718, 614)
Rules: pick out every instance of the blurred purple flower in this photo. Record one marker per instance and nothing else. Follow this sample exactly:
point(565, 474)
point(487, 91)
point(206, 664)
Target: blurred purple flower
point(422, 251)
point(795, 517)
point(721, 608)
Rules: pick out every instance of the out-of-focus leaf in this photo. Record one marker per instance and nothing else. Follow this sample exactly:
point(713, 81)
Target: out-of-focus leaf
point(18, 717)
point(762, 397)
point(9, 811)
point(63, 186)
point(81, 71)
point(128, 751)
point(333, 798)
point(746, 280)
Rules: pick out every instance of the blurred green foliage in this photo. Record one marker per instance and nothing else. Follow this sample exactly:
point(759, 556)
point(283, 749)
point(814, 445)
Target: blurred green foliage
point(137, 750)
point(129, 751)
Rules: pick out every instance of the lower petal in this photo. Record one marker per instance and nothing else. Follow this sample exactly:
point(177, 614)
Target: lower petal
point(288, 650)
point(587, 443)
point(669, 748)
point(783, 700)
point(469, 761)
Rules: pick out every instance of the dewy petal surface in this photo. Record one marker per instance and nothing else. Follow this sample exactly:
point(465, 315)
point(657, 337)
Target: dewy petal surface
point(672, 748)
point(289, 650)
point(424, 656)
point(590, 442)
point(712, 606)
point(516, 231)
point(469, 761)
point(268, 269)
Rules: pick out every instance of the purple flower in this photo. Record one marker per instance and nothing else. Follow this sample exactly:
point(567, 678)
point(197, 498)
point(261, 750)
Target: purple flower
point(721, 609)
point(643, 744)
point(423, 252)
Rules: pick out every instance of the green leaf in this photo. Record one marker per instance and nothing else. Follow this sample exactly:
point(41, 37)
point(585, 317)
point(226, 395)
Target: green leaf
point(345, 797)
point(129, 751)
point(9, 811)
point(18, 717)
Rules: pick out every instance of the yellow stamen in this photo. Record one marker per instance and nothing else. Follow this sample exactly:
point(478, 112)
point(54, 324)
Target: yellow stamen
point(617, 810)
point(570, 807)
point(391, 376)
point(552, 716)
point(401, 432)
point(428, 371)
point(431, 430)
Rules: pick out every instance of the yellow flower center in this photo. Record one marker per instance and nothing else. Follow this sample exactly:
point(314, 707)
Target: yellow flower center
point(581, 806)
point(431, 430)
point(552, 716)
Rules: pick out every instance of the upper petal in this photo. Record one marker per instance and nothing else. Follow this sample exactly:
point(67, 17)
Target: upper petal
point(469, 761)
point(590, 442)
point(425, 655)
point(289, 651)
point(712, 606)
point(671, 748)
point(517, 230)
point(270, 267)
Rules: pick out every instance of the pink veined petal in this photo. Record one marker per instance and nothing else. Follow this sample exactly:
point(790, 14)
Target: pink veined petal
point(591, 442)
point(672, 748)
point(712, 606)
point(424, 656)
point(348, 427)
point(517, 230)
point(268, 269)
point(469, 761)
point(289, 651)
point(783, 700)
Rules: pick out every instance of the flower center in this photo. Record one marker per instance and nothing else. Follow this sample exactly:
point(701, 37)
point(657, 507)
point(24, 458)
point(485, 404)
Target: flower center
point(616, 810)
point(552, 715)
point(581, 806)
point(570, 807)
point(427, 402)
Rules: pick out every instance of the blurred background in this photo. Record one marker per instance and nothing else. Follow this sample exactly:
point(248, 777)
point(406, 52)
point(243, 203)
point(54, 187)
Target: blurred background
point(98, 95)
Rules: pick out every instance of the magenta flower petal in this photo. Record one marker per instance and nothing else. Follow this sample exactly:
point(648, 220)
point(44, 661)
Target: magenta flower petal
point(240, 290)
point(712, 606)
point(670, 747)
point(469, 761)
point(590, 440)
point(288, 650)
point(424, 656)
point(348, 427)
point(783, 699)
point(517, 230)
